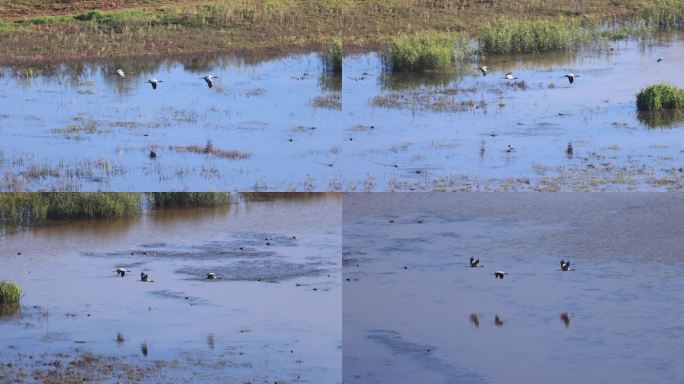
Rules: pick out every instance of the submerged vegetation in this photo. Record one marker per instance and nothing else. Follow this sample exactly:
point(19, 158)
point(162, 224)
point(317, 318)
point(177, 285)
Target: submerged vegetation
point(660, 96)
point(10, 293)
point(189, 199)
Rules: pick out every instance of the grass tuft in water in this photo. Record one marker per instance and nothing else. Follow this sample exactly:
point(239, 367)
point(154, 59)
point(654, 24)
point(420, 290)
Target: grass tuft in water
point(516, 36)
point(331, 56)
point(10, 293)
point(189, 199)
point(424, 51)
point(660, 96)
point(22, 208)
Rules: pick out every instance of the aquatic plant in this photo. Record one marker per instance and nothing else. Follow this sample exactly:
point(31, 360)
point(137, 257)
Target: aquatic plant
point(189, 199)
point(331, 56)
point(423, 51)
point(517, 36)
point(22, 208)
point(664, 14)
point(660, 96)
point(10, 293)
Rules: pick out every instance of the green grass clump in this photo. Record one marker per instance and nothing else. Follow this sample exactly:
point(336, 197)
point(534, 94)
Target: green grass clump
point(422, 51)
point(660, 96)
point(9, 293)
point(665, 14)
point(516, 36)
point(331, 56)
point(21, 208)
point(189, 199)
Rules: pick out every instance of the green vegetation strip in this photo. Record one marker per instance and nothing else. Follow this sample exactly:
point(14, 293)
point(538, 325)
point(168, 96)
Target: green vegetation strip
point(10, 293)
point(23, 208)
point(660, 96)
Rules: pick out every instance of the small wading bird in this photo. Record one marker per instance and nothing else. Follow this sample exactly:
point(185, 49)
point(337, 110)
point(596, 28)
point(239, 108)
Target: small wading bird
point(571, 77)
point(474, 263)
point(144, 276)
point(565, 265)
point(209, 79)
point(565, 318)
point(509, 76)
point(483, 69)
point(509, 149)
point(121, 271)
point(659, 60)
point(475, 319)
point(497, 321)
point(212, 276)
point(500, 274)
point(153, 155)
point(569, 150)
point(120, 73)
point(154, 82)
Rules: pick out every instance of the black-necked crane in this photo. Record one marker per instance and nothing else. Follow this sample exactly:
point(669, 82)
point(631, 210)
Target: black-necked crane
point(121, 271)
point(483, 69)
point(144, 276)
point(500, 274)
point(209, 79)
point(153, 81)
point(474, 263)
point(120, 73)
point(509, 76)
point(571, 77)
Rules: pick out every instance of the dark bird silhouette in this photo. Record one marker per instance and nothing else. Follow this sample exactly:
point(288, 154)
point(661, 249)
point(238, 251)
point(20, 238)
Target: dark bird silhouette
point(565, 318)
point(154, 82)
point(144, 276)
point(121, 271)
point(571, 77)
point(474, 263)
point(500, 274)
point(153, 155)
point(475, 319)
point(497, 321)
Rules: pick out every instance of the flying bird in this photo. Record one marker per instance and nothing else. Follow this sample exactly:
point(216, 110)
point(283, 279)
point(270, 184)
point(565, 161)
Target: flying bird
point(120, 73)
point(154, 82)
point(509, 76)
point(571, 77)
point(483, 69)
point(209, 79)
point(144, 276)
point(474, 263)
point(121, 271)
point(499, 274)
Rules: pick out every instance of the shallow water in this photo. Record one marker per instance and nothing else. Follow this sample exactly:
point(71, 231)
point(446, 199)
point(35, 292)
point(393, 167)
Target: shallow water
point(433, 132)
point(81, 127)
point(274, 315)
point(415, 312)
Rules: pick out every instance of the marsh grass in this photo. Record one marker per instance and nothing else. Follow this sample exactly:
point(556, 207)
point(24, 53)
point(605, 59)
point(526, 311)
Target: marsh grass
point(331, 57)
point(424, 51)
point(189, 199)
point(10, 293)
point(660, 96)
point(209, 149)
point(518, 36)
point(22, 208)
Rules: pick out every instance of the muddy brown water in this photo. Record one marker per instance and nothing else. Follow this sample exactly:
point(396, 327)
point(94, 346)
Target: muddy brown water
point(415, 312)
point(274, 314)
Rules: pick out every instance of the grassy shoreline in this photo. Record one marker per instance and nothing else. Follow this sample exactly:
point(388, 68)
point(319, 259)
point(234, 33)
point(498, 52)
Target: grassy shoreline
point(49, 30)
